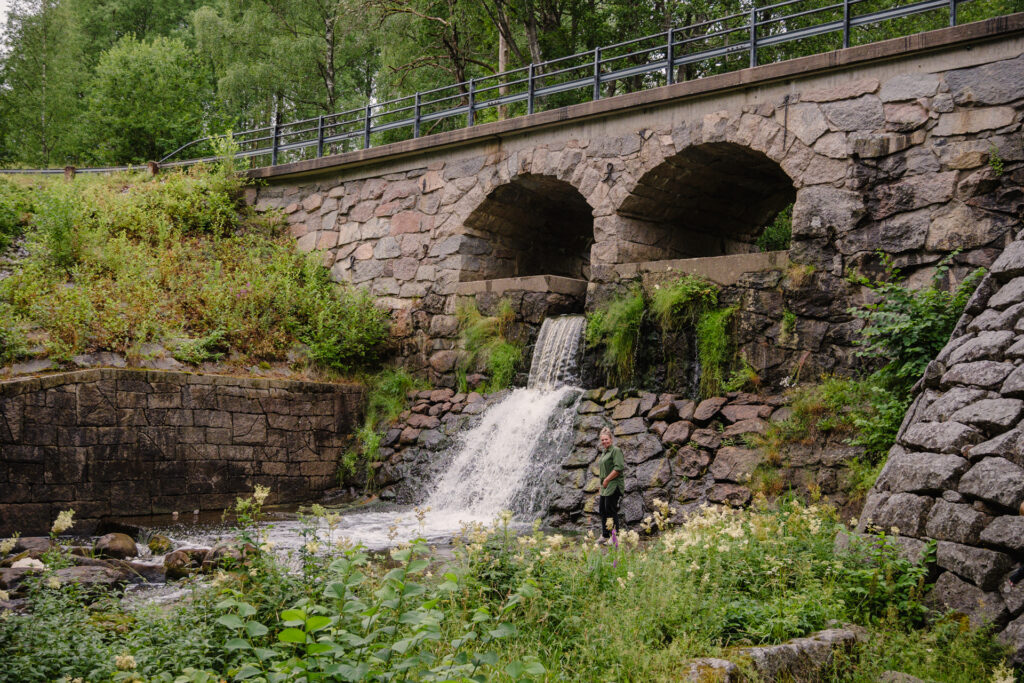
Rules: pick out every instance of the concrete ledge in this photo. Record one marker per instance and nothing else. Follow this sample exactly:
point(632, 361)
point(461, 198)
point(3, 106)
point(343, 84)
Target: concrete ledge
point(553, 284)
point(886, 50)
point(722, 270)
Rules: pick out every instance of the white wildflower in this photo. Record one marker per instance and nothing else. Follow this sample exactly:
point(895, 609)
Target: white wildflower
point(63, 522)
point(53, 582)
point(124, 662)
point(260, 494)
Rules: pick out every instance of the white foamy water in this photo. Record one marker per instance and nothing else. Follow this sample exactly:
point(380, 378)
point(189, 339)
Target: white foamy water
point(555, 357)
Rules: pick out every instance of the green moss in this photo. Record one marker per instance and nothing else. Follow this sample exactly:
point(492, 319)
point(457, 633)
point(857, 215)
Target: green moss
point(682, 301)
point(616, 328)
point(714, 348)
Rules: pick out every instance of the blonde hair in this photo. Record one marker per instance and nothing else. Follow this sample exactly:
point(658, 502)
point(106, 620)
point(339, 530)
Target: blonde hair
point(606, 430)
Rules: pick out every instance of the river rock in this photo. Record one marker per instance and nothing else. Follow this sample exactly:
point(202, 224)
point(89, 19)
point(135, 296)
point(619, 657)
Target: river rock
point(117, 546)
point(92, 575)
point(180, 563)
point(225, 554)
point(33, 545)
point(159, 544)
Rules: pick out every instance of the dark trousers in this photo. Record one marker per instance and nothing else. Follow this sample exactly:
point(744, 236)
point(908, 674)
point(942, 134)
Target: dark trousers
point(609, 508)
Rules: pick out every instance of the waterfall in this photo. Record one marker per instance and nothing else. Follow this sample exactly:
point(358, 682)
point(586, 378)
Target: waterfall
point(556, 355)
point(507, 460)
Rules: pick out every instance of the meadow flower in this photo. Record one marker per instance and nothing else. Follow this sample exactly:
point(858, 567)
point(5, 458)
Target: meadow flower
point(63, 522)
point(7, 545)
point(53, 582)
point(124, 662)
point(4, 596)
point(260, 494)
point(312, 547)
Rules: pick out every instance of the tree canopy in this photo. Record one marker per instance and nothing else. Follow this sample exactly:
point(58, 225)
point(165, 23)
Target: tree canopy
point(126, 81)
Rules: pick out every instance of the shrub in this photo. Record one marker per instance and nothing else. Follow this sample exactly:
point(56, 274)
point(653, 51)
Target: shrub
point(779, 233)
point(616, 327)
point(15, 208)
point(198, 351)
point(57, 221)
point(682, 301)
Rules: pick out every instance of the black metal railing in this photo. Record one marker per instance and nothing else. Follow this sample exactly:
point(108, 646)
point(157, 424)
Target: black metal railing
point(731, 42)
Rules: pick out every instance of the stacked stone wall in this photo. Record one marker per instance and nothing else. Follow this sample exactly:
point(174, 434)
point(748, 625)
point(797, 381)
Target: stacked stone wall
point(112, 442)
point(916, 157)
point(956, 473)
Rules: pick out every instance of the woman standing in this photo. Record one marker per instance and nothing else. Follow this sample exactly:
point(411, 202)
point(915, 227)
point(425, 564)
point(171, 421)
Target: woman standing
point(611, 466)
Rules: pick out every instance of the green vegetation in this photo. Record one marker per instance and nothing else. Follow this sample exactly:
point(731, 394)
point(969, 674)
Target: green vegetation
point(688, 302)
point(995, 161)
point(124, 81)
point(386, 397)
point(15, 209)
point(486, 342)
point(115, 262)
point(777, 235)
point(508, 608)
point(616, 327)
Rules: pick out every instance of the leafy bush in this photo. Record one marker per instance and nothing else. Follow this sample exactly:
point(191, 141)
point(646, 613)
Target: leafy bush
point(57, 221)
point(15, 208)
point(777, 235)
point(616, 328)
point(907, 328)
point(386, 397)
point(485, 339)
point(198, 351)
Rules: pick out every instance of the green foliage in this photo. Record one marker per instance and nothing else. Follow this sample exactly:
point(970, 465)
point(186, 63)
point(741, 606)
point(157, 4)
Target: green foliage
point(788, 324)
point(714, 348)
point(777, 235)
point(485, 340)
point(14, 212)
point(616, 327)
point(863, 473)
point(119, 261)
point(743, 378)
point(907, 328)
point(995, 161)
point(198, 351)
point(386, 397)
point(682, 302)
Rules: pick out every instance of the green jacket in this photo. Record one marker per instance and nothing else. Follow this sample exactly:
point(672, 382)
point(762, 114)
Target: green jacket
point(611, 459)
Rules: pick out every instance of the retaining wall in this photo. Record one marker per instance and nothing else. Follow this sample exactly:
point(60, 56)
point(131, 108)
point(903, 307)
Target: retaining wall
point(112, 442)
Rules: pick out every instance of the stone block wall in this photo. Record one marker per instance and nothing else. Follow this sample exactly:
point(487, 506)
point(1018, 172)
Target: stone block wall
point(113, 442)
point(956, 473)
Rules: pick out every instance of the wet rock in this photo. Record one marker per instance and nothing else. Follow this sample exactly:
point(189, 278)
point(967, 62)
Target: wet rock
point(409, 435)
point(706, 438)
point(159, 544)
point(685, 409)
point(226, 554)
point(995, 480)
point(419, 421)
point(589, 408)
point(92, 575)
point(117, 546)
point(181, 563)
point(431, 439)
point(984, 568)
point(33, 545)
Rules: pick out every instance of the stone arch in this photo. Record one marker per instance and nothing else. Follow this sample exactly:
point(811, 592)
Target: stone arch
point(532, 225)
point(708, 199)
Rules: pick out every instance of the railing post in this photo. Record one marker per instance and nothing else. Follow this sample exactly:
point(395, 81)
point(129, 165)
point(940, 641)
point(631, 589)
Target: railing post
point(753, 37)
point(366, 128)
point(320, 136)
point(529, 90)
point(274, 143)
point(597, 73)
point(416, 117)
point(470, 118)
point(670, 57)
point(846, 23)
point(952, 12)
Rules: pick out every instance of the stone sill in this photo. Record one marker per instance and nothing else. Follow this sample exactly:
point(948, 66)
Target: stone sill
point(552, 284)
point(722, 270)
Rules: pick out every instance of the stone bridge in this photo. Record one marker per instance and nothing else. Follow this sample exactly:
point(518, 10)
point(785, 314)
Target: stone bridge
point(911, 147)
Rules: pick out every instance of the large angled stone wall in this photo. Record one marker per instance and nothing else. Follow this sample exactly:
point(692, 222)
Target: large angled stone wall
point(111, 442)
point(915, 156)
point(956, 474)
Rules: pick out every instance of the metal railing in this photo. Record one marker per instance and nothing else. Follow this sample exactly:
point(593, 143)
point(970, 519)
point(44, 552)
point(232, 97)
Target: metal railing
point(731, 42)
